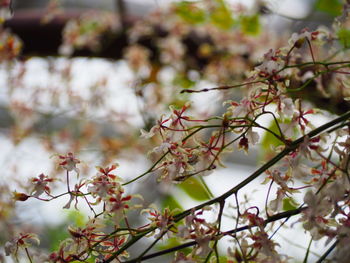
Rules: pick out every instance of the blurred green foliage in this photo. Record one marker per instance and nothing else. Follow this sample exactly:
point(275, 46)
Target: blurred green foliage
point(344, 37)
point(289, 204)
point(250, 25)
point(331, 7)
point(195, 189)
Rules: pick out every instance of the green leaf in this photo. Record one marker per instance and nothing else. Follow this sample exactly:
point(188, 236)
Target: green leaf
point(171, 203)
point(269, 142)
point(195, 189)
point(289, 204)
point(190, 12)
point(250, 25)
point(344, 37)
point(223, 259)
point(331, 7)
point(77, 218)
point(55, 235)
point(221, 16)
point(92, 259)
point(183, 81)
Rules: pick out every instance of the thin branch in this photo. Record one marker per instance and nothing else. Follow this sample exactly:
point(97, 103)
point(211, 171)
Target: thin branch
point(307, 251)
point(325, 255)
point(222, 87)
point(149, 170)
point(233, 231)
point(289, 148)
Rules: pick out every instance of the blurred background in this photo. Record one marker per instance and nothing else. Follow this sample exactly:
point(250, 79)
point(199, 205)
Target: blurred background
point(90, 87)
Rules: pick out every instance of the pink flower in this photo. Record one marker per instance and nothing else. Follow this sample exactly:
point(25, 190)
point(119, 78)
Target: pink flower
point(198, 229)
point(172, 50)
point(272, 65)
point(276, 205)
point(69, 162)
point(22, 241)
point(182, 258)
point(11, 45)
point(117, 203)
point(161, 220)
point(41, 185)
point(104, 183)
point(74, 196)
point(287, 107)
point(137, 57)
point(244, 108)
point(5, 10)
point(266, 247)
point(314, 216)
point(298, 40)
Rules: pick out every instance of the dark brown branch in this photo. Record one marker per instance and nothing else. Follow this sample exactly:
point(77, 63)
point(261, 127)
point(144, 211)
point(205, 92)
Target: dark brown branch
point(325, 255)
point(289, 148)
point(273, 218)
point(44, 40)
point(121, 6)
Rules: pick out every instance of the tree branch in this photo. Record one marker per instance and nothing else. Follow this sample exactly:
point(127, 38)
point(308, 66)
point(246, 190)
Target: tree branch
point(273, 218)
point(289, 148)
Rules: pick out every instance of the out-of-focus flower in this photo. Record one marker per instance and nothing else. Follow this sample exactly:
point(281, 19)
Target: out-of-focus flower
point(22, 241)
point(138, 57)
point(182, 258)
point(10, 45)
point(276, 204)
point(173, 50)
point(5, 10)
point(200, 230)
point(305, 34)
point(271, 65)
point(53, 9)
point(314, 217)
point(74, 195)
point(69, 162)
point(41, 185)
point(287, 107)
point(244, 108)
point(87, 31)
point(104, 183)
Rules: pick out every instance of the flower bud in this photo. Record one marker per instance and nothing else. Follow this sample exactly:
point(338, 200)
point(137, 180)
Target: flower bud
point(20, 196)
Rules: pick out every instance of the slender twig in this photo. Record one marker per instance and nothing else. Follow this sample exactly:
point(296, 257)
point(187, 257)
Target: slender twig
point(307, 251)
point(311, 51)
point(149, 170)
point(28, 255)
point(325, 255)
point(233, 231)
point(221, 210)
point(301, 65)
point(288, 149)
point(306, 83)
point(222, 87)
point(139, 258)
point(67, 175)
point(267, 199)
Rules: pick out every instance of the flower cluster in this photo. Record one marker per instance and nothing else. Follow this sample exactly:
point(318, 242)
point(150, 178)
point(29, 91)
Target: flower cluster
point(69, 162)
point(201, 231)
point(184, 157)
point(302, 161)
point(5, 11)
point(41, 185)
point(88, 31)
point(10, 45)
point(21, 241)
